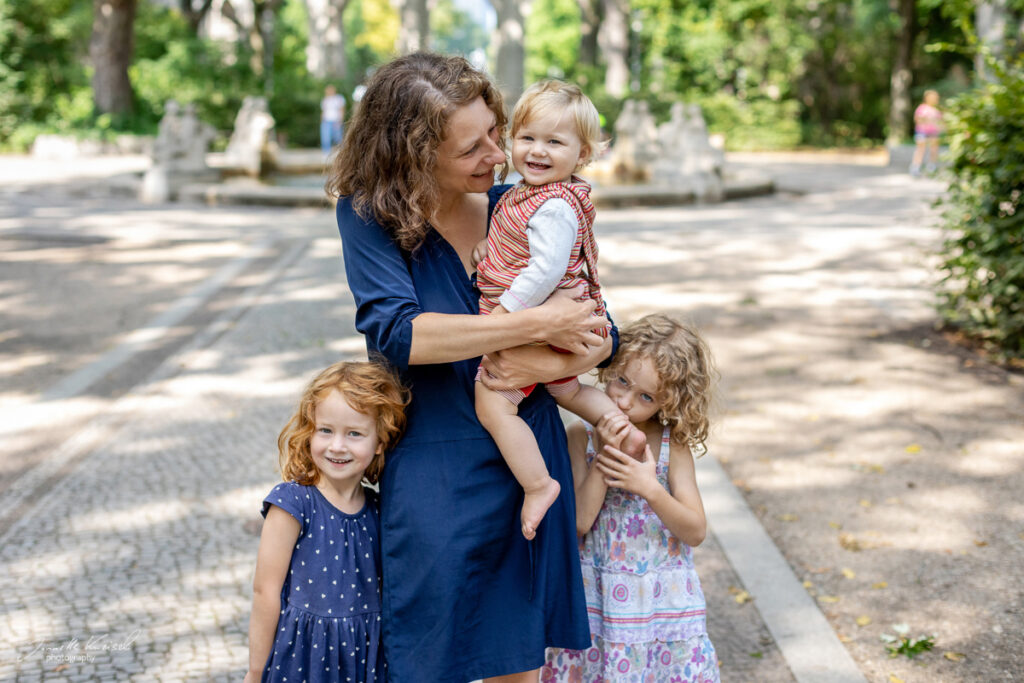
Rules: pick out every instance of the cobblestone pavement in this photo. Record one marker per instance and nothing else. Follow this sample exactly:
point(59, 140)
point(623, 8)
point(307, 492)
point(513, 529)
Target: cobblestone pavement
point(127, 546)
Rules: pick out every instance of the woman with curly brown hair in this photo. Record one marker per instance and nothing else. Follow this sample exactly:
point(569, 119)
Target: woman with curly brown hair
point(465, 595)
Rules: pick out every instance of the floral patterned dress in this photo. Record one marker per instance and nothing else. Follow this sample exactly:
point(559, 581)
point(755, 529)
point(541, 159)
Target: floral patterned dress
point(646, 607)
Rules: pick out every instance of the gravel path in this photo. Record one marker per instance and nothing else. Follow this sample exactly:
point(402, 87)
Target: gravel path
point(884, 462)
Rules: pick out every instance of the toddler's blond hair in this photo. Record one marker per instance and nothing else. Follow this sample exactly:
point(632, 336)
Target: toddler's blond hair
point(554, 95)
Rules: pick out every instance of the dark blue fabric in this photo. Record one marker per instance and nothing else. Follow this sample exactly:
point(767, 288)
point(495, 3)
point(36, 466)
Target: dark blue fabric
point(329, 628)
point(465, 596)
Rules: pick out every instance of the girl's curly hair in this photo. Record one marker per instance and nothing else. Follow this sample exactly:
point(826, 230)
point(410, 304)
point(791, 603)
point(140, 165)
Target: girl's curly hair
point(386, 161)
point(369, 387)
point(686, 374)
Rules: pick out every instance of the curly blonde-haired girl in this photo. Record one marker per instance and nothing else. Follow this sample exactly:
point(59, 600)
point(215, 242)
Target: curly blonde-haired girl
point(640, 519)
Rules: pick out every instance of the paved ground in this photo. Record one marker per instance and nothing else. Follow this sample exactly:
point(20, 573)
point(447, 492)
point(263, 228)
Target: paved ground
point(149, 356)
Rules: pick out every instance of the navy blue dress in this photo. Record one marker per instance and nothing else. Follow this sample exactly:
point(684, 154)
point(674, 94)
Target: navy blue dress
point(329, 629)
point(465, 595)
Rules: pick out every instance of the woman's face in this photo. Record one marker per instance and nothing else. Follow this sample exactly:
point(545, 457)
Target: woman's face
point(467, 156)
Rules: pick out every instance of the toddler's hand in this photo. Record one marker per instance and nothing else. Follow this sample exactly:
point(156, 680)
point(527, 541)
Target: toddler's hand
point(613, 428)
point(623, 472)
point(479, 253)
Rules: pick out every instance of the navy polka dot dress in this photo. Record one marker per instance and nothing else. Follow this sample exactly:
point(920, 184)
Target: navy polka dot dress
point(329, 628)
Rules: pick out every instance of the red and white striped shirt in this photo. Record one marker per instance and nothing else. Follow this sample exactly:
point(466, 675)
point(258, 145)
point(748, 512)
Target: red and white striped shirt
point(508, 248)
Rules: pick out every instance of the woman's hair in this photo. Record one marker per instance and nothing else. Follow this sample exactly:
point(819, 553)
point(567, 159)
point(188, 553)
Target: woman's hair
point(686, 374)
point(386, 161)
point(370, 388)
point(554, 95)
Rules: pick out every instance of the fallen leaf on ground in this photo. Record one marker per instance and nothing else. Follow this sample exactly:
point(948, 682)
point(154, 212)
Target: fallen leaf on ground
point(880, 585)
point(837, 525)
point(849, 573)
point(913, 448)
point(848, 542)
point(954, 656)
point(893, 678)
point(829, 598)
point(980, 543)
point(843, 638)
point(757, 655)
point(863, 620)
point(742, 597)
point(808, 584)
point(788, 517)
point(865, 503)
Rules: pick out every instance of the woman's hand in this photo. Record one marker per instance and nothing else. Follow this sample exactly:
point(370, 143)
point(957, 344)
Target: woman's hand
point(517, 367)
point(521, 366)
point(623, 472)
point(571, 323)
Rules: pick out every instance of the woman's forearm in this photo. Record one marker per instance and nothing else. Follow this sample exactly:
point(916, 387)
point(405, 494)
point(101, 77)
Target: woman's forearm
point(525, 365)
point(446, 338)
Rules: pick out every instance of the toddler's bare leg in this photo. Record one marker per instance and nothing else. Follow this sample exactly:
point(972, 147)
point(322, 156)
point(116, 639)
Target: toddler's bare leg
point(518, 446)
point(592, 404)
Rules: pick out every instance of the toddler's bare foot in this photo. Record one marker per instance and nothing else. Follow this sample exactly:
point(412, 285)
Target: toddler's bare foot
point(536, 504)
point(634, 444)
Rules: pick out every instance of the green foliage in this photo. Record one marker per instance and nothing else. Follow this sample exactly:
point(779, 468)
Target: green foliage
point(769, 73)
point(754, 124)
point(552, 42)
point(452, 30)
point(983, 255)
point(902, 644)
point(45, 81)
point(43, 44)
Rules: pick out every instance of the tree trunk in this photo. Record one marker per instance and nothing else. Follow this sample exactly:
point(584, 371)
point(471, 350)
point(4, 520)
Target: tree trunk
point(110, 50)
point(510, 53)
point(325, 54)
point(902, 72)
point(194, 15)
point(613, 37)
point(414, 29)
point(990, 21)
point(590, 24)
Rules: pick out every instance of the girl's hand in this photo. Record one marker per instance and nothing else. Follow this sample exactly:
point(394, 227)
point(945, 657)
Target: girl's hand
point(623, 472)
point(571, 323)
point(613, 428)
point(479, 253)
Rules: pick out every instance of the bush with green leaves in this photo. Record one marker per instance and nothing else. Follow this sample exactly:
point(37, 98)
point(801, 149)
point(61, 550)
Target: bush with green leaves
point(983, 254)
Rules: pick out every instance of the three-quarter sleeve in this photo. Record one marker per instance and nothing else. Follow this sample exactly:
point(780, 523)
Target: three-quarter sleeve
point(383, 289)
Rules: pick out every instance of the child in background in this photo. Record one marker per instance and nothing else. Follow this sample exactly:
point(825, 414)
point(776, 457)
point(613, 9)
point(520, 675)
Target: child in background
point(639, 520)
point(541, 239)
point(927, 129)
point(332, 119)
point(316, 593)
